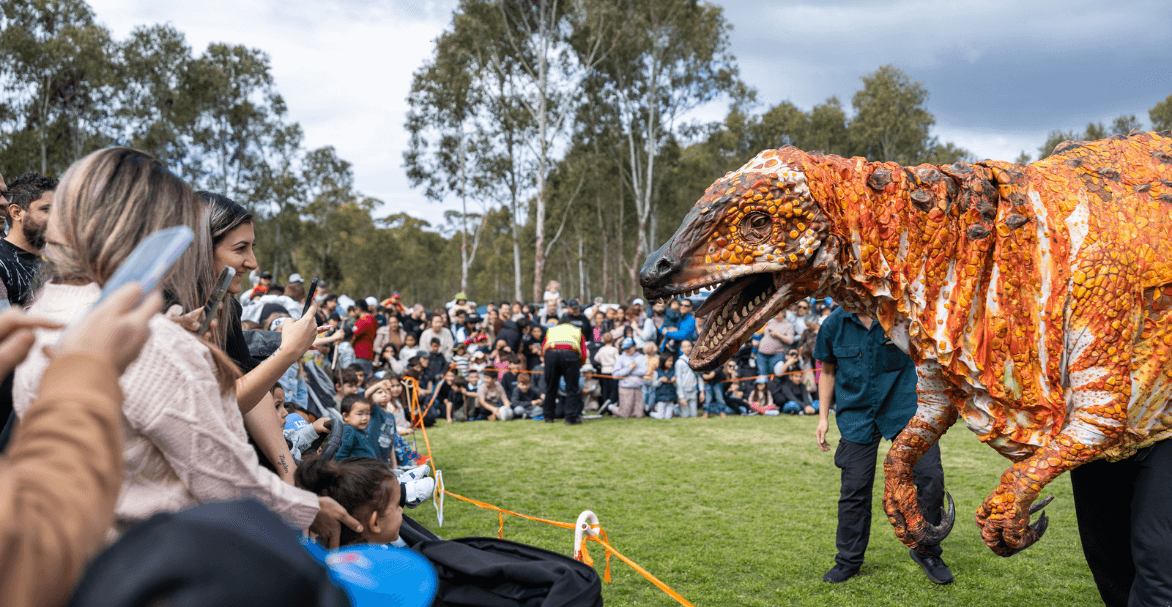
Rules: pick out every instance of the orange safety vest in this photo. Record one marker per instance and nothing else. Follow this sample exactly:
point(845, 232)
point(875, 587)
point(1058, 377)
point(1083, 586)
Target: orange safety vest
point(563, 337)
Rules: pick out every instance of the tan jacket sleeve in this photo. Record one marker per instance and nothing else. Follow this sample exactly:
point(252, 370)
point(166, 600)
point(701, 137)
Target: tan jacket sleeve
point(59, 481)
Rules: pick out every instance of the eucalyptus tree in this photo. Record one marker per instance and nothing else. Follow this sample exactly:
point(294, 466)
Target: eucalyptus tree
point(672, 57)
point(55, 68)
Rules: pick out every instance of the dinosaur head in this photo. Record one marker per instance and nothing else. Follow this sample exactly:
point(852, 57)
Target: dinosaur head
point(760, 238)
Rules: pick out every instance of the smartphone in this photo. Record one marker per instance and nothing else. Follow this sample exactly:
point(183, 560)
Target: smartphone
point(309, 296)
point(150, 261)
point(147, 264)
point(213, 304)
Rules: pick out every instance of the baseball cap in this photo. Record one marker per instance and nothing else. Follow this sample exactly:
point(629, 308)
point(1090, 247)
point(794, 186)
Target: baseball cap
point(266, 275)
point(461, 296)
point(371, 301)
point(574, 303)
point(627, 343)
point(597, 300)
point(638, 302)
point(294, 277)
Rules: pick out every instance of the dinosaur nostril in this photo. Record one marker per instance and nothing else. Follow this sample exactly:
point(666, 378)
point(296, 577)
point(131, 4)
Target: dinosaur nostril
point(664, 267)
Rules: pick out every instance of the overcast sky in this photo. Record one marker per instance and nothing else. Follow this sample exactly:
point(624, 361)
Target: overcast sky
point(1002, 73)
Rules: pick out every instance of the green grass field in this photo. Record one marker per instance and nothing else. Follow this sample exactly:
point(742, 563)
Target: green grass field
point(739, 511)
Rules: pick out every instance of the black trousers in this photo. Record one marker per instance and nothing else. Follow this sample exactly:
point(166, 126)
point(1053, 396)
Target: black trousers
point(857, 463)
point(1124, 512)
point(559, 364)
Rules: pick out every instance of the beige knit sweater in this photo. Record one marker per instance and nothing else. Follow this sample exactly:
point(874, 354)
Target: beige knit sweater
point(184, 443)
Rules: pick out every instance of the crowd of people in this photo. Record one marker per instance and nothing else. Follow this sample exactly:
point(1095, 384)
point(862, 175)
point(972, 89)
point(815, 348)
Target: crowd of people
point(474, 363)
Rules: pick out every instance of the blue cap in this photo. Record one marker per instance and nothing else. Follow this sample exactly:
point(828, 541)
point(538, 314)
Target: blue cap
point(627, 343)
point(380, 575)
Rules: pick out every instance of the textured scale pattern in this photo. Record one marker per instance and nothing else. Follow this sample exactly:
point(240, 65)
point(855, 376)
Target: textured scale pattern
point(1035, 299)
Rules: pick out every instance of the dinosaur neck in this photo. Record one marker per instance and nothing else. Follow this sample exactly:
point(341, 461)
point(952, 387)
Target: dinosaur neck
point(912, 244)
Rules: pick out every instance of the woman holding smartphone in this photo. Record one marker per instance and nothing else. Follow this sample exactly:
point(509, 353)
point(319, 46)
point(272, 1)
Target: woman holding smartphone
point(185, 442)
point(233, 236)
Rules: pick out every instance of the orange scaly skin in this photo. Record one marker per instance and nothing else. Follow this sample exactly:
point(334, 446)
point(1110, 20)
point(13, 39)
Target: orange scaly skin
point(1034, 299)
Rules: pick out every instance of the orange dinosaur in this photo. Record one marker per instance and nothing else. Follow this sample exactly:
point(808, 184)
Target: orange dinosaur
point(1035, 300)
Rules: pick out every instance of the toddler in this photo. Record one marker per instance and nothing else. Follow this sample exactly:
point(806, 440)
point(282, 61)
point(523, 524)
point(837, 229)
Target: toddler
point(664, 386)
point(356, 415)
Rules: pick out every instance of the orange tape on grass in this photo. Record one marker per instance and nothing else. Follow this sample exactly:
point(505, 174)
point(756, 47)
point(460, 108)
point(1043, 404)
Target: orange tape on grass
point(501, 512)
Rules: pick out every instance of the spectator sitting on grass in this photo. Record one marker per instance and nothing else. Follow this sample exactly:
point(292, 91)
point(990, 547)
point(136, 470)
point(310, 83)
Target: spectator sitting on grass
point(460, 358)
point(760, 400)
point(456, 409)
point(356, 415)
point(436, 363)
point(478, 362)
point(491, 400)
point(526, 399)
point(409, 350)
point(734, 394)
point(345, 384)
point(793, 395)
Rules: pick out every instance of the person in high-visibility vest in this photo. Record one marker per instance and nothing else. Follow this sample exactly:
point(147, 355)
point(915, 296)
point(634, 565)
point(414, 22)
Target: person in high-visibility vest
point(565, 353)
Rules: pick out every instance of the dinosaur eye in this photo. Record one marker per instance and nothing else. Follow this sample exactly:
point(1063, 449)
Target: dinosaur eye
point(756, 228)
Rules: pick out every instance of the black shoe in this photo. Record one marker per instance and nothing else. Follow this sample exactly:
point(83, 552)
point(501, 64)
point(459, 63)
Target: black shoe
point(577, 421)
point(933, 566)
point(548, 420)
point(839, 574)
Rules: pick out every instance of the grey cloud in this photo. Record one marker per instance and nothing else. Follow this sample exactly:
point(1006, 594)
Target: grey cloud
point(1021, 66)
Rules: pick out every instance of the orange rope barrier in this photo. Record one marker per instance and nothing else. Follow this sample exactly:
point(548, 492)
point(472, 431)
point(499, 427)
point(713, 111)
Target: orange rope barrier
point(501, 512)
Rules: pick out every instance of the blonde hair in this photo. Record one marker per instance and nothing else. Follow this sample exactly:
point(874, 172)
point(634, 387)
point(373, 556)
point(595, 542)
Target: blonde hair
point(107, 203)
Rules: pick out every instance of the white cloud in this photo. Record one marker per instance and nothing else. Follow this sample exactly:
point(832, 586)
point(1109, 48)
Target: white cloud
point(344, 68)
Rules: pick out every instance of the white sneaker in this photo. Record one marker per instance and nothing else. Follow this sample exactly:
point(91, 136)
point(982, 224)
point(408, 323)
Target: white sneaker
point(413, 474)
point(416, 492)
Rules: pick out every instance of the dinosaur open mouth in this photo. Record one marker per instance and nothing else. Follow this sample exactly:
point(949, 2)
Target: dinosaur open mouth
point(734, 312)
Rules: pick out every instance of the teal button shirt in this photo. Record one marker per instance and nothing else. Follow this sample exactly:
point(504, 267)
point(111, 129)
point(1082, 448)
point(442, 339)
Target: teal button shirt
point(875, 381)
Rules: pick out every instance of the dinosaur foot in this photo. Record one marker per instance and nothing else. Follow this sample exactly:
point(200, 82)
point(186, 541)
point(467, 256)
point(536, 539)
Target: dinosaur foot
point(1005, 523)
point(912, 528)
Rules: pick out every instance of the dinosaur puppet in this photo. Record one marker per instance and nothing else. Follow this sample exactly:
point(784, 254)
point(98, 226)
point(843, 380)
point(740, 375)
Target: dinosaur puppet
point(1035, 300)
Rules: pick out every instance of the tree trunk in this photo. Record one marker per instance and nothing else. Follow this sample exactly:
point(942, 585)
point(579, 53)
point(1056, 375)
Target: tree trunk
point(463, 221)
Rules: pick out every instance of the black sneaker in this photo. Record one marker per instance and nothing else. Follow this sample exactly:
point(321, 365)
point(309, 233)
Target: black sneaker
point(577, 421)
point(839, 574)
point(933, 566)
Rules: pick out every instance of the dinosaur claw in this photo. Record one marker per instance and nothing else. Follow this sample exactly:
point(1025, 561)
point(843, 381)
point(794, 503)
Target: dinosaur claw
point(934, 534)
point(1040, 525)
point(1038, 505)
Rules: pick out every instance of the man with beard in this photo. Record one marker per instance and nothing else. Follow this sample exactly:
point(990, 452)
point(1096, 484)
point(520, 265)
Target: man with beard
point(29, 198)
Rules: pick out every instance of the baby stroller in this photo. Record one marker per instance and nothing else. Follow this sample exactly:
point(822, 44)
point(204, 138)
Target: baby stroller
point(491, 571)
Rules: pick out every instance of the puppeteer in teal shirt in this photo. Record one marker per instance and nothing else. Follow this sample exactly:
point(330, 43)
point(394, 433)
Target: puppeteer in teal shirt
point(875, 381)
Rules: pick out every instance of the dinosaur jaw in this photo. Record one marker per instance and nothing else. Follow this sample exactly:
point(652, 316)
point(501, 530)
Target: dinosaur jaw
point(735, 311)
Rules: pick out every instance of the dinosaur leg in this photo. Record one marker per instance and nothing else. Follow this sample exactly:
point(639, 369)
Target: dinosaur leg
point(936, 412)
point(1101, 324)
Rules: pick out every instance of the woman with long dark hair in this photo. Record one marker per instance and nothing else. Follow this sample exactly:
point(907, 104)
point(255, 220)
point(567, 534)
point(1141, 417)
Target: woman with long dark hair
point(233, 237)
